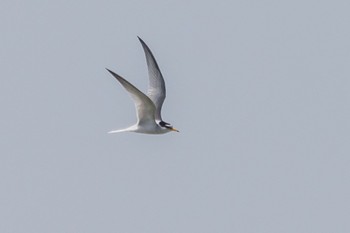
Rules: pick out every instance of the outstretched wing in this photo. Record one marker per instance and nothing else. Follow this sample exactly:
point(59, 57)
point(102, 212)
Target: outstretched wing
point(145, 108)
point(156, 86)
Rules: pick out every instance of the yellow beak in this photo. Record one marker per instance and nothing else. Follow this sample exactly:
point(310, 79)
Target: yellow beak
point(173, 129)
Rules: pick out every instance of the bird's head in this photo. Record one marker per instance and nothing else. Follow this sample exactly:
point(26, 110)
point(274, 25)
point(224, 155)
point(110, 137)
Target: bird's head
point(167, 126)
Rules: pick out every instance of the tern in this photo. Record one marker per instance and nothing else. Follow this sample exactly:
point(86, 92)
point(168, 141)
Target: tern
point(148, 106)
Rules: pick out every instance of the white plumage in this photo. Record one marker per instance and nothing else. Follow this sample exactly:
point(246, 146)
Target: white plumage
point(148, 107)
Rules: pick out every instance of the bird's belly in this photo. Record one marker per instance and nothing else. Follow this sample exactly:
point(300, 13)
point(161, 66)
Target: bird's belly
point(146, 129)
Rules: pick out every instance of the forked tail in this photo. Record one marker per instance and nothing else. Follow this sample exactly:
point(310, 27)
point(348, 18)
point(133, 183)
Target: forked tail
point(129, 129)
point(118, 131)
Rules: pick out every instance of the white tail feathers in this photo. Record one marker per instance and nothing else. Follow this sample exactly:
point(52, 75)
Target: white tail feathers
point(129, 129)
point(118, 131)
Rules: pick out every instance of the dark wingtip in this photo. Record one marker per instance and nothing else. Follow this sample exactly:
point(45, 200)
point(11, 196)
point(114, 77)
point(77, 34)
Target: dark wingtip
point(115, 75)
point(142, 42)
point(112, 73)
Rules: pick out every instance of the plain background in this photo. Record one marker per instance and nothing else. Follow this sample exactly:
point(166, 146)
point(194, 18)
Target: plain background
point(258, 89)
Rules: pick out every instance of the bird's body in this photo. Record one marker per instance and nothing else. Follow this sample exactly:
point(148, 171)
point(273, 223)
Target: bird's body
point(147, 128)
point(148, 107)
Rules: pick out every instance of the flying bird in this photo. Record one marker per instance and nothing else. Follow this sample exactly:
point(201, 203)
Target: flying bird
point(148, 106)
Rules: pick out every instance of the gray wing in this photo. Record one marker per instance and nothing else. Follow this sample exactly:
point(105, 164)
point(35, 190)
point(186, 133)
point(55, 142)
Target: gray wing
point(145, 108)
point(156, 86)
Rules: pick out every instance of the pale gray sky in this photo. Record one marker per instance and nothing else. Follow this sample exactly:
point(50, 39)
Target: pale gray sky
point(258, 89)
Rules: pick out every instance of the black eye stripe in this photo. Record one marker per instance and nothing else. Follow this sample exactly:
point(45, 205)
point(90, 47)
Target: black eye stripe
point(164, 124)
